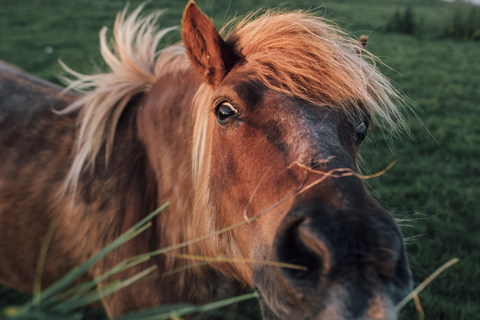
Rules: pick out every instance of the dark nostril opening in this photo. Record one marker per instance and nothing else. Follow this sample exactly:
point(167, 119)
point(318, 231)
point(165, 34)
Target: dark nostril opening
point(293, 248)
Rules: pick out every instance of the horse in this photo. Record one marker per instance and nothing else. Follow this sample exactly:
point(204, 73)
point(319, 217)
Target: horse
point(257, 128)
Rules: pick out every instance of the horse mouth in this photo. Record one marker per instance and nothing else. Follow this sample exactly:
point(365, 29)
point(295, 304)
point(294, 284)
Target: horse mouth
point(334, 307)
point(356, 267)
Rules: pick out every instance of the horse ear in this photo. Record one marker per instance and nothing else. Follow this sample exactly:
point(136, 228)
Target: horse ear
point(211, 57)
point(361, 44)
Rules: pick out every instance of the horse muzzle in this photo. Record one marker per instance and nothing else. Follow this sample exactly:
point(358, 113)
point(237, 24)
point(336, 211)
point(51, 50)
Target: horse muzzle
point(348, 262)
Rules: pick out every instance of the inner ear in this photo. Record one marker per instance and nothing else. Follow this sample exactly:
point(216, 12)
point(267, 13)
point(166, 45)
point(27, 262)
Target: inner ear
point(211, 57)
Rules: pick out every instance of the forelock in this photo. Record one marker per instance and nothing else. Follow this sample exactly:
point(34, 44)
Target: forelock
point(309, 58)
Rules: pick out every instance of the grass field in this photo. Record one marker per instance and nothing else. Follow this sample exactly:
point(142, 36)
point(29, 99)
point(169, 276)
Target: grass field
point(436, 183)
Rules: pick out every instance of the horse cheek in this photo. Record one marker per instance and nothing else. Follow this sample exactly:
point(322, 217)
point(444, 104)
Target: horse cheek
point(248, 178)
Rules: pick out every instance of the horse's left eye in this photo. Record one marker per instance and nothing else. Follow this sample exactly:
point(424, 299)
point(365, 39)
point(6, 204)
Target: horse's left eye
point(225, 111)
point(361, 132)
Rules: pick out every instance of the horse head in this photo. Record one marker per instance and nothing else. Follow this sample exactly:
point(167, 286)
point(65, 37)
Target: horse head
point(278, 121)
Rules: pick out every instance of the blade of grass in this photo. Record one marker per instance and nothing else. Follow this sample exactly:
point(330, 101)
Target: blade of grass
point(420, 287)
point(74, 274)
point(183, 268)
point(69, 306)
point(42, 315)
point(239, 260)
point(37, 282)
point(150, 314)
point(418, 306)
point(81, 289)
point(140, 315)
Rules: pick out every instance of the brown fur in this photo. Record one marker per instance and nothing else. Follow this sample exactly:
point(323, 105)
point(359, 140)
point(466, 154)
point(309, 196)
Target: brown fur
point(149, 132)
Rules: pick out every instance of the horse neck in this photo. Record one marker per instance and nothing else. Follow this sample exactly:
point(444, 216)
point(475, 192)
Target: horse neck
point(165, 127)
point(122, 189)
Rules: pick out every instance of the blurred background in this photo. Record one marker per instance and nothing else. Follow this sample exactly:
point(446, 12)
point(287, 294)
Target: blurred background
point(432, 50)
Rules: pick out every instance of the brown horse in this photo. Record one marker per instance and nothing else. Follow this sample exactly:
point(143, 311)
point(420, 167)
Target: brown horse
point(262, 125)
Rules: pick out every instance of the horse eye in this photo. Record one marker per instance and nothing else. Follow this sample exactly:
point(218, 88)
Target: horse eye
point(360, 132)
point(225, 111)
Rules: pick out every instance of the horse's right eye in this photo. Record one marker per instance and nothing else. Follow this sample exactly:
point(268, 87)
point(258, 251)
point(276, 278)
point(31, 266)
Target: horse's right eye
point(361, 132)
point(225, 111)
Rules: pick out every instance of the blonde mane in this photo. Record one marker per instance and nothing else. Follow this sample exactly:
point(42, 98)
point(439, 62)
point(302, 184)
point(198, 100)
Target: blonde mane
point(135, 64)
point(302, 55)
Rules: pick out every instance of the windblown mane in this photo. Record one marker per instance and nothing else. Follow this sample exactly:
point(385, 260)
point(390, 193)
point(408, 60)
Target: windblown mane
point(135, 64)
point(302, 55)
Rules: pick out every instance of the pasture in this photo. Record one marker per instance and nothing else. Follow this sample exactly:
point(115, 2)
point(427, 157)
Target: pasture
point(434, 188)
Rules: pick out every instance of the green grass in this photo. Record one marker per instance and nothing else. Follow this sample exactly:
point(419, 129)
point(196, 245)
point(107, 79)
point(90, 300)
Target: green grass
point(436, 184)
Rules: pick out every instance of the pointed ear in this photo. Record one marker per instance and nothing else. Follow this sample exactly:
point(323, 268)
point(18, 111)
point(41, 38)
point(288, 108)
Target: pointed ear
point(211, 57)
point(361, 44)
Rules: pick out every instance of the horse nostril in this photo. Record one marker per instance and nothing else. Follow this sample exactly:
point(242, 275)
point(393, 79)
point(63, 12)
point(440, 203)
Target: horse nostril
point(299, 246)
